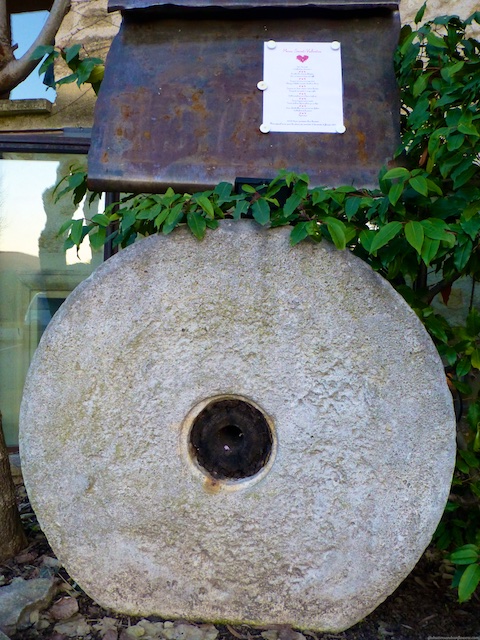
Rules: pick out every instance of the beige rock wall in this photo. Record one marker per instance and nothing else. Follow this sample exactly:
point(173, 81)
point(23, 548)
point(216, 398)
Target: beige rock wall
point(463, 8)
point(88, 23)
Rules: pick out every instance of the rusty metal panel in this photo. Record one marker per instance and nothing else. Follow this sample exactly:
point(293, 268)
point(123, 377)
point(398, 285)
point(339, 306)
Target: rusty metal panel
point(115, 5)
point(179, 104)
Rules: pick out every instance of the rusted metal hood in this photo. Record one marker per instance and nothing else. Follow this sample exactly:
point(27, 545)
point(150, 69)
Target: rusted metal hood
point(129, 5)
point(179, 105)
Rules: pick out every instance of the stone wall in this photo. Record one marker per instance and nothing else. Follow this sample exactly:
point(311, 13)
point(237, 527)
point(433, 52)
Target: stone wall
point(463, 8)
point(89, 24)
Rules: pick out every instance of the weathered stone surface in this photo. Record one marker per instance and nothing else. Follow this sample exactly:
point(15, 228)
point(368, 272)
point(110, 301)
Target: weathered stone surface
point(20, 599)
point(363, 431)
point(463, 8)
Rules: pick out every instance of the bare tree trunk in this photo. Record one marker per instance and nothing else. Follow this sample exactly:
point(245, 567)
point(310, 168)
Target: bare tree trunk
point(12, 536)
point(13, 71)
point(6, 50)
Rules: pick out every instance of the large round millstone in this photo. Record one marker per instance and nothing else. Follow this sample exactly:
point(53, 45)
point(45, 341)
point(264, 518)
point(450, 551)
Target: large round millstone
point(237, 430)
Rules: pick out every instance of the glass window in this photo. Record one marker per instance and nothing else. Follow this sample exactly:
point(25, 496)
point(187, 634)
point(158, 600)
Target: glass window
point(36, 274)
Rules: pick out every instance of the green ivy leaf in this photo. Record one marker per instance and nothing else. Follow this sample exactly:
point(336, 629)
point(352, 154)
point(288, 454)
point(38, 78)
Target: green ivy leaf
point(261, 211)
point(197, 224)
point(450, 70)
point(85, 68)
point(319, 195)
point(336, 229)
point(397, 173)
point(160, 219)
point(395, 192)
point(435, 41)
point(97, 239)
point(473, 323)
point(434, 228)
point(465, 555)
point(455, 141)
point(475, 358)
point(420, 185)
point(462, 254)
point(298, 233)
point(174, 218)
point(207, 206)
point(429, 250)
point(72, 52)
point(223, 191)
point(463, 367)
point(76, 231)
point(421, 84)
point(468, 582)
point(462, 466)
point(462, 177)
point(384, 235)
point(436, 327)
point(241, 208)
point(471, 226)
point(65, 226)
point(101, 220)
point(470, 458)
point(292, 203)
point(465, 125)
point(366, 238)
point(414, 235)
point(314, 230)
point(473, 415)
point(352, 205)
point(420, 13)
point(434, 188)
point(128, 219)
point(472, 210)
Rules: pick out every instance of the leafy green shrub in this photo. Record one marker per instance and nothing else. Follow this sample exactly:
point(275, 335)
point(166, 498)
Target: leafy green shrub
point(420, 229)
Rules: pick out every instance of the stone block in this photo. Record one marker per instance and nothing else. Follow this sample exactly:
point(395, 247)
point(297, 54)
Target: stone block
point(237, 430)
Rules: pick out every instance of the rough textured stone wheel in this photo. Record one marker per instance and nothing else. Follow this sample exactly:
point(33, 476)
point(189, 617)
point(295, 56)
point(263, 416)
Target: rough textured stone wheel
point(237, 430)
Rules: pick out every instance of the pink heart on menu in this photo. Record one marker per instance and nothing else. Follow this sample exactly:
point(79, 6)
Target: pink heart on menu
point(302, 58)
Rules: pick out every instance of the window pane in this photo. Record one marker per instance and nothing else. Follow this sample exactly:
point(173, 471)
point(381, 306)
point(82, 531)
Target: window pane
point(36, 274)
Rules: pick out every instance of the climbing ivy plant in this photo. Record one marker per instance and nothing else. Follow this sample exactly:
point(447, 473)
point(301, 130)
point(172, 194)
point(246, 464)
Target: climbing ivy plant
point(420, 228)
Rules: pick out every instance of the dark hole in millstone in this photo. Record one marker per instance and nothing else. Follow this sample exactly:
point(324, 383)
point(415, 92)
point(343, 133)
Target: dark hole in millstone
point(231, 439)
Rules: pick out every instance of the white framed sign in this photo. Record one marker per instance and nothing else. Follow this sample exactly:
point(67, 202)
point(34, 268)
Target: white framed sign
point(302, 87)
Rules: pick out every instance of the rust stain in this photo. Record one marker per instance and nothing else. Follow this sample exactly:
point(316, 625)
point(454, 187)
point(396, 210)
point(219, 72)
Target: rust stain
point(212, 486)
point(208, 110)
point(197, 105)
point(200, 132)
point(362, 146)
point(147, 135)
point(126, 110)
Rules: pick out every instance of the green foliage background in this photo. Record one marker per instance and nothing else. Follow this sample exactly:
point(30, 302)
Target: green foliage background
point(420, 228)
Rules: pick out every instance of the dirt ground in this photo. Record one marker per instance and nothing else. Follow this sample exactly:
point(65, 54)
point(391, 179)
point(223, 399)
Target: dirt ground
point(424, 606)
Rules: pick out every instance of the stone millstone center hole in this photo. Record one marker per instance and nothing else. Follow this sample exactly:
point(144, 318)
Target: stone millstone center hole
point(231, 439)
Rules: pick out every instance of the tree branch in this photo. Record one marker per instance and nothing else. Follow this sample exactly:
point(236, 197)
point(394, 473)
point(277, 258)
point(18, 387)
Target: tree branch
point(6, 51)
point(437, 288)
point(15, 71)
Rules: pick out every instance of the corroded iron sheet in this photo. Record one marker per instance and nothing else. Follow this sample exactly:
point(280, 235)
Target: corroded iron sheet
point(179, 105)
point(115, 5)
